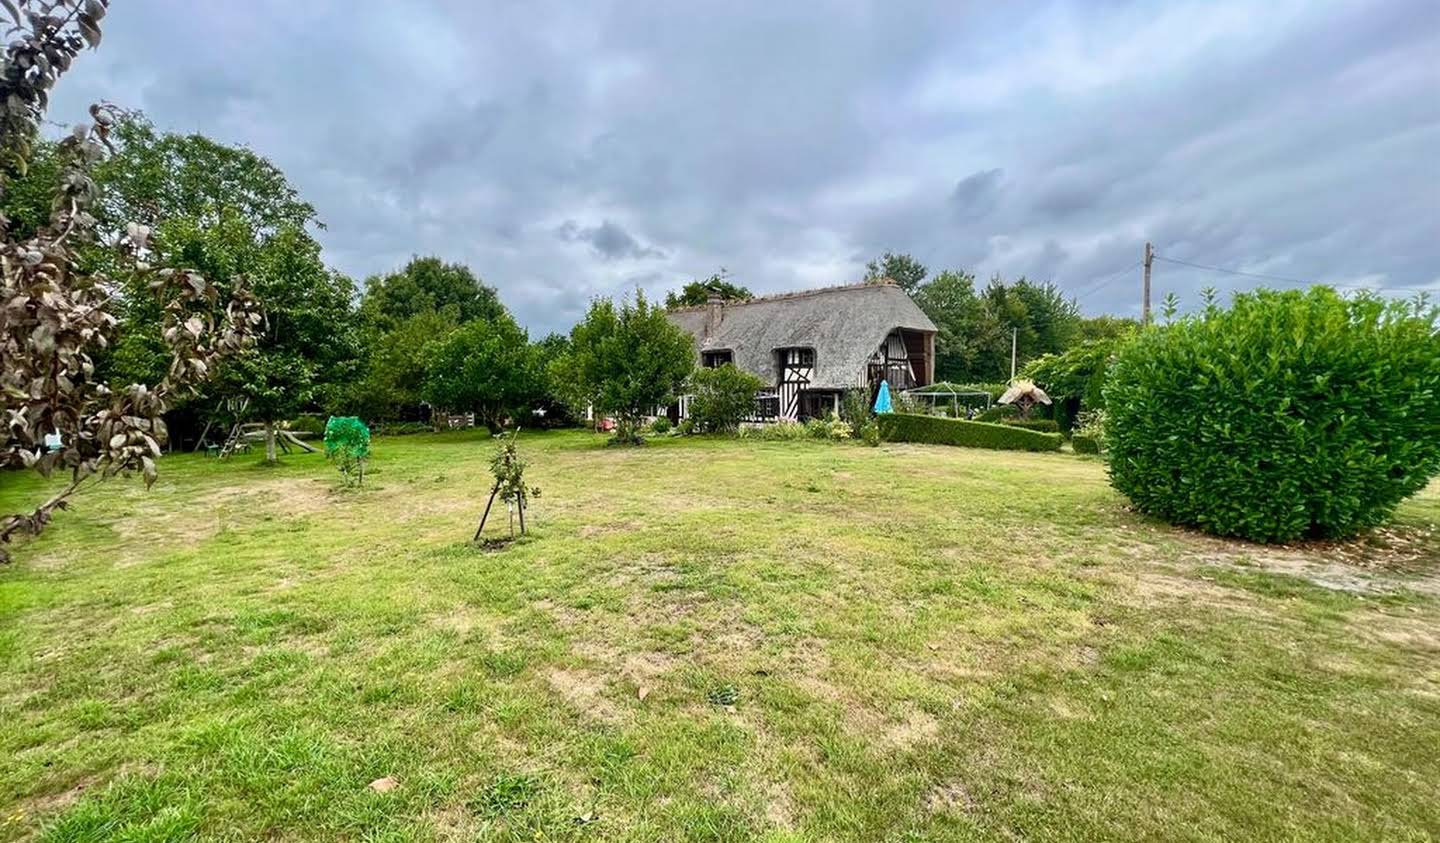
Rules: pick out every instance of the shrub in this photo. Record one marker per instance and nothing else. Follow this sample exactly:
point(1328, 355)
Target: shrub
point(722, 397)
point(856, 407)
point(660, 426)
point(1042, 425)
point(347, 444)
point(997, 412)
point(902, 427)
point(404, 428)
point(1292, 414)
point(832, 427)
point(686, 427)
point(307, 424)
point(869, 433)
point(1084, 444)
point(1091, 425)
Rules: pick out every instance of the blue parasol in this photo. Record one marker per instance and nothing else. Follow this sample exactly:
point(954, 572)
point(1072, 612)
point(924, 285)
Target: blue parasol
point(882, 400)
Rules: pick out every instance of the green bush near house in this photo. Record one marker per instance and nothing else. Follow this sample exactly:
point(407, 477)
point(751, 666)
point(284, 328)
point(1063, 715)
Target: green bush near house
point(1084, 444)
point(660, 426)
point(997, 413)
point(721, 398)
point(931, 430)
point(1296, 414)
point(1042, 425)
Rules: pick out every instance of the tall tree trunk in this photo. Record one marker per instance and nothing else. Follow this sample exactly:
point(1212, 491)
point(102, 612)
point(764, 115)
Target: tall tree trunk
point(270, 441)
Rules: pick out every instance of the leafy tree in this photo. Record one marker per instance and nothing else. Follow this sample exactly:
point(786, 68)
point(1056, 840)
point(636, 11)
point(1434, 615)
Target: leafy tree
point(975, 327)
point(57, 313)
point(309, 345)
point(155, 176)
point(630, 360)
point(698, 292)
point(903, 269)
point(949, 299)
point(1106, 327)
point(428, 284)
point(561, 395)
point(485, 366)
point(394, 379)
point(721, 398)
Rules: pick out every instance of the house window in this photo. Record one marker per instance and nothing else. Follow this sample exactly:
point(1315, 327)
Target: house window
point(802, 357)
point(714, 359)
point(807, 357)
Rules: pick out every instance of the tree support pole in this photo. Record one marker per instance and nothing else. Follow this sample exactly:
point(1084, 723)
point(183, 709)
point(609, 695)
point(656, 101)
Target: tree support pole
point(493, 492)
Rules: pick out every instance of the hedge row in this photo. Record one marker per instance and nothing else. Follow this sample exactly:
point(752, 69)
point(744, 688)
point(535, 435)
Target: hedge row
point(903, 427)
point(1085, 444)
point(1042, 425)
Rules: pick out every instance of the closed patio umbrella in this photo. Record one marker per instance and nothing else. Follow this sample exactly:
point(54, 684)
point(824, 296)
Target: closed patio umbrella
point(882, 400)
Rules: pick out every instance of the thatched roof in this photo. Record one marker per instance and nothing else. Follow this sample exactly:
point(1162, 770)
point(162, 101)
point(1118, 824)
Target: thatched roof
point(1024, 389)
point(843, 324)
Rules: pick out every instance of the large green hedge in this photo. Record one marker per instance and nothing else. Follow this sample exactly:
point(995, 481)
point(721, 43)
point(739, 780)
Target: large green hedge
point(1289, 415)
point(904, 427)
point(1042, 425)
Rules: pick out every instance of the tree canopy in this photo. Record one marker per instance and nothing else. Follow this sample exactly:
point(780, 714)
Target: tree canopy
point(428, 284)
point(630, 359)
point(59, 312)
point(485, 366)
point(309, 345)
point(698, 292)
point(902, 269)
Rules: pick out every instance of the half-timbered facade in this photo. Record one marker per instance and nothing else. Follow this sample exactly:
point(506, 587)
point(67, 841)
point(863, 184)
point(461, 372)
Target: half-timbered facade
point(810, 347)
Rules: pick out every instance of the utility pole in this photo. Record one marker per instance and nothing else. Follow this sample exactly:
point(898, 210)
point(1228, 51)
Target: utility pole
point(1145, 293)
point(1014, 337)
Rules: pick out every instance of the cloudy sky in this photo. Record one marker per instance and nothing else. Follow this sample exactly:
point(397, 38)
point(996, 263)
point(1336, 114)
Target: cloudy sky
point(568, 150)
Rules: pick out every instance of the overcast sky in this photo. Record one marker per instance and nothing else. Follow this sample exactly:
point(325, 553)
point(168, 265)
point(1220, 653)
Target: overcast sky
point(568, 150)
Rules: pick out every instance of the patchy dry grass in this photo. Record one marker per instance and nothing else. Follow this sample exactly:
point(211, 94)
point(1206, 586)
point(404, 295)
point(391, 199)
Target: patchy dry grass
point(707, 640)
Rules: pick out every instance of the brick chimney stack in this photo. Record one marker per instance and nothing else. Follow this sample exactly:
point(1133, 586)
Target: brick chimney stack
point(714, 312)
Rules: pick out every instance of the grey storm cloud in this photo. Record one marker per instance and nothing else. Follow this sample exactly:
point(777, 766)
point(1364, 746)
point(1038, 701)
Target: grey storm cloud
point(975, 195)
point(567, 151)
point(609, 240)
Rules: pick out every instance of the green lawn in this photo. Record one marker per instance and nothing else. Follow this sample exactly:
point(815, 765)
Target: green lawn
point(706, 640)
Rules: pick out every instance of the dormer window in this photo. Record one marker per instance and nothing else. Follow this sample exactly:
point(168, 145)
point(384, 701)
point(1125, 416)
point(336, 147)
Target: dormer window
point(716, 359)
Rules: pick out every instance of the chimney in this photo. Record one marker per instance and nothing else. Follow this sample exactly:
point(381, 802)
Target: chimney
point(714, 312)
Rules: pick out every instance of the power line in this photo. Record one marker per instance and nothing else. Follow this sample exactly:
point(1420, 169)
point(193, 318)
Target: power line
point(1233, 271)
point(1264, 277)
point(1090, 288)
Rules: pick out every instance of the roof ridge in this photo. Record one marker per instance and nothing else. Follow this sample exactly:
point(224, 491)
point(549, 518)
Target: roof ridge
point(795, 294)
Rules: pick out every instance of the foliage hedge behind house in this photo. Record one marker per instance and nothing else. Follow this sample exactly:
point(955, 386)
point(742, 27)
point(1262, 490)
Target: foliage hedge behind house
point(1289, 415)
point(932, 430)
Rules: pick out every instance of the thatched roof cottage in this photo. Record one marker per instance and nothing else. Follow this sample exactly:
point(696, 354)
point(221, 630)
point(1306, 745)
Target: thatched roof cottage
point(815, 344)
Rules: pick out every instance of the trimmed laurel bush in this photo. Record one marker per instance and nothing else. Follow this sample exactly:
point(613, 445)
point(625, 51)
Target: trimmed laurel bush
point(1290, 415)
point(347, 443)
point(933, 430)
point(1042, 425)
